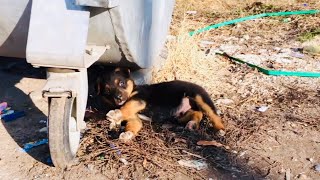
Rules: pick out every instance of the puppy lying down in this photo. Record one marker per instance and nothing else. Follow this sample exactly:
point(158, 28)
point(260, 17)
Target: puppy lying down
point(185, 101)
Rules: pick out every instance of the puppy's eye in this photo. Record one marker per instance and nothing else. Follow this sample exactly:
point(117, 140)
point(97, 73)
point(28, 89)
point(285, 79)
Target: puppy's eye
point(121, 84)
point(107, 91)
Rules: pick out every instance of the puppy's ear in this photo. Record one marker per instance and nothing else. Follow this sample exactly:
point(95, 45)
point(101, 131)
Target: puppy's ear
point(98, 86)
point(124, 71)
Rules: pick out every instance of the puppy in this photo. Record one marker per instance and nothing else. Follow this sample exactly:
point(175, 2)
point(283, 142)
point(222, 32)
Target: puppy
point(113, 87)
point(185, 101)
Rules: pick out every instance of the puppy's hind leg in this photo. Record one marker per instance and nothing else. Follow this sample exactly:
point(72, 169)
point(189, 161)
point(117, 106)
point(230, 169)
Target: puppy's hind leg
point(192, 119)
point(210, 112)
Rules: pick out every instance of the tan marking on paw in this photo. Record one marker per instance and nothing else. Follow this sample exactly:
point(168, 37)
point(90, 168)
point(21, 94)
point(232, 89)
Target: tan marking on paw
point(192, 125)
point(221, 133)
point(115, 118)
point(126, 136)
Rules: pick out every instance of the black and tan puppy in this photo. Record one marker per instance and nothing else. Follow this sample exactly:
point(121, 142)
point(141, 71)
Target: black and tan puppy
point(186, 101)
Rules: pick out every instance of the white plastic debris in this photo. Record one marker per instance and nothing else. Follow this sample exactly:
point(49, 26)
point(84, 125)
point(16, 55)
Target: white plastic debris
point(191, 12)
point(44, 129)
point(197, 164)
point(262, 108)
point(124, 161)
point(317, 167)
point(43, 121)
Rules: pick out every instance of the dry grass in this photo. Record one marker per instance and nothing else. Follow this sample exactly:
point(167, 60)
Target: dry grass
point(154, 154)
point(151, 155)
point(187, 62)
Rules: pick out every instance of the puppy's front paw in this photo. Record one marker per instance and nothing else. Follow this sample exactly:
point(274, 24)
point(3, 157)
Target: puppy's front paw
point(115, 118)
point(192, 125)
point(126, 136)
point(221, 133)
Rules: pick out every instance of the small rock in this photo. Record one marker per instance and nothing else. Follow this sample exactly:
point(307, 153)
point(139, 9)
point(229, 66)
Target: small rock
point(90, 167)
point(286, 20)
point(242, 153)
point(221, 133)
point(312, 49)
point(269, 100)
point(225, 101)
point(317, 167)
point(262, 108)
point(293, 125)
point(234, 152)
point(246, 37)
point(207, 51)
point(310, 159)
point(302, 176)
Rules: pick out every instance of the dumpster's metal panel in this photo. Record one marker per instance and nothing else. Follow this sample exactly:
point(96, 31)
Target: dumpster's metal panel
point(14, 23)
point(141, 31)
point(101, 33)
point(98, 3)
point(134, 30)
point(57, 35)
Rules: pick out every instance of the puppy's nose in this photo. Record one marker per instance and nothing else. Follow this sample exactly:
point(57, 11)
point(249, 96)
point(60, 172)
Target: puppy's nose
point(119, 96)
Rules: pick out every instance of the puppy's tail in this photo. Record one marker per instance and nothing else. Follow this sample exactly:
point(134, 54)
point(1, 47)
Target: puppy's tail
point(210, 112)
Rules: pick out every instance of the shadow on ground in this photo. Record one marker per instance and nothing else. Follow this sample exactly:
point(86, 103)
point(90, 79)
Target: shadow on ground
point(222, 163)
point(25, 129)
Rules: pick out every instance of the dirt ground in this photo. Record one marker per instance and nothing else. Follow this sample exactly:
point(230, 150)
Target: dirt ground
point(281, 140)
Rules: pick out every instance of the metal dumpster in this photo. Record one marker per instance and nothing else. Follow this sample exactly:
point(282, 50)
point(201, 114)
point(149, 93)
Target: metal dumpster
point(68, 36)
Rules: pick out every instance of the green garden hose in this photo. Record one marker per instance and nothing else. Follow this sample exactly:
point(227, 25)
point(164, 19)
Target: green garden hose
point(273, 72)
point(215, 26)
point(265, 71)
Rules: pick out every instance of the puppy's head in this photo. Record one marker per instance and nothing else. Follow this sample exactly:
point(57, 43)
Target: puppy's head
point(116, 86)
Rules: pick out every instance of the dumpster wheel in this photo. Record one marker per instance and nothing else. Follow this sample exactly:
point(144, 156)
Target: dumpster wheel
point(64, 137)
